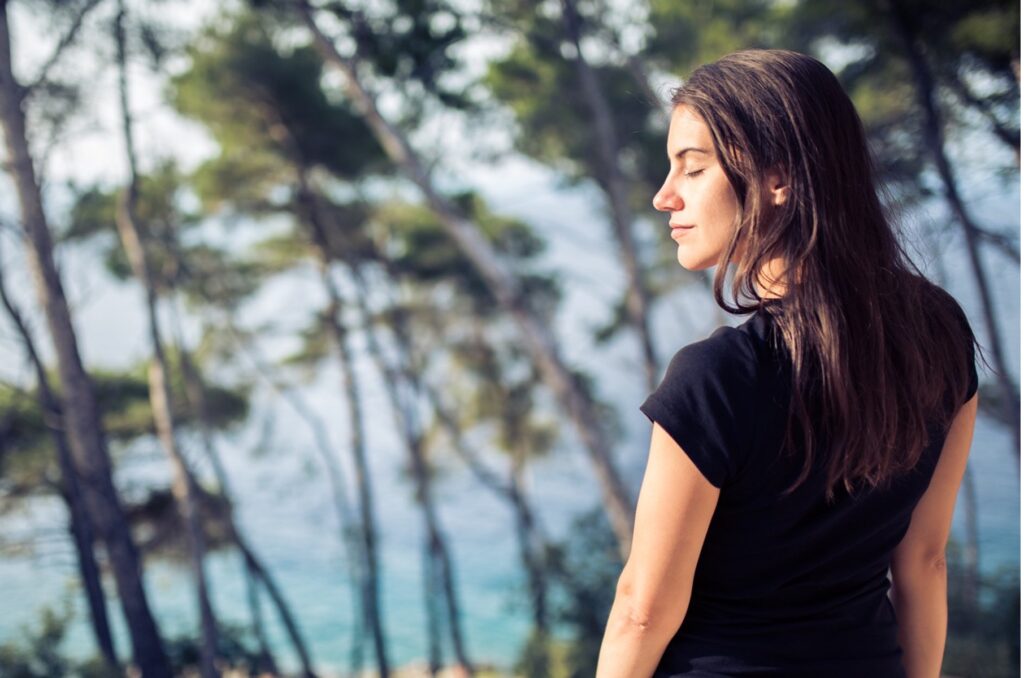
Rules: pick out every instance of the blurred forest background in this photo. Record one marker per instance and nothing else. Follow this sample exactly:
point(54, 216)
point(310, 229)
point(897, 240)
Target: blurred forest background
point(324, 325)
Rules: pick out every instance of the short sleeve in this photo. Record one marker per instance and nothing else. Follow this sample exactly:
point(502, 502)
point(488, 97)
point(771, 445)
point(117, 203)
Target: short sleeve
point(707, 403)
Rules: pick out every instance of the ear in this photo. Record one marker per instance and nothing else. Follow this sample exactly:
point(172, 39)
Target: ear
point(777, 185)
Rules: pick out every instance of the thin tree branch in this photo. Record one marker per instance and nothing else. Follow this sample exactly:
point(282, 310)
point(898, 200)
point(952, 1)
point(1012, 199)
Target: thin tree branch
point(1003, 132)
point(1001, 241)
point(65, 42)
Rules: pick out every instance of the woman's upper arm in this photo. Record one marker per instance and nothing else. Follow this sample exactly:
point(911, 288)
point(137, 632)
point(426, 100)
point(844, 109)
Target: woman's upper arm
point(673, 513)
point(924, 544)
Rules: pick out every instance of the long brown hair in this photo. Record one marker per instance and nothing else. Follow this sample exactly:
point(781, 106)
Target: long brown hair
point(879, 353)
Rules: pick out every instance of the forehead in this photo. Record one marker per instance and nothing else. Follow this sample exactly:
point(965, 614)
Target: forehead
point(687, 130)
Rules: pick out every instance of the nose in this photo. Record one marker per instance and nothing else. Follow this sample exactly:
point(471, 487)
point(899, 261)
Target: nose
point(666, 199)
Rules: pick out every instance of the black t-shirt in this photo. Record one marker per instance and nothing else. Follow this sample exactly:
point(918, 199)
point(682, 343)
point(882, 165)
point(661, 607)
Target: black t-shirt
point(784, 585)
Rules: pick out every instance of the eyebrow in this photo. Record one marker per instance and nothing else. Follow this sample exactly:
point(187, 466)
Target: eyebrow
point(679, 154)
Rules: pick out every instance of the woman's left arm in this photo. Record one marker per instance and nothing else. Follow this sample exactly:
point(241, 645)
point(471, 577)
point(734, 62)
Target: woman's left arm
point(672, 516)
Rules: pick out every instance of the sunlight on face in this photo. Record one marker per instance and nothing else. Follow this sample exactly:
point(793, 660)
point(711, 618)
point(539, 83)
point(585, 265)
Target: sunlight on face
point(696, 194)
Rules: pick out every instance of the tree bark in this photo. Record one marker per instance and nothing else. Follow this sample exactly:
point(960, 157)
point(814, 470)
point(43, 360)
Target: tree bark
point(364, 570)
point(485, 476)
point(272, 589)
point(532, 543)
point(503, 284)
point(265, 658)
point(530, 550)
point(613, 183)
point(934, 138)
point(323, 447)
point(183, 486)
point(80, 412)
point(255, 571)
point(433, 617)
point(370, 581)
point(339, 336)
point(437, 543)
point(79, 525)
point(532, 553)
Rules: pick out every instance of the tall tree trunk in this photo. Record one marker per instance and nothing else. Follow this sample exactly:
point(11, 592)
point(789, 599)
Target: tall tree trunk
point(533, 541)
point(339, 336)
point(277, 597)
point(533, 554)
point(532, 544)
point(349, 538)
point(183, 486)
point(504, 285)
point(267, 663)
point(80, 412)
point(613, 183)
point(83, 537)
point(441, 554)
point(413, 438)
point(531, 551)
point(924, 84)
point(79, 524)
point(371, 584)
point(254, 569)
point(437, 543)
point(431, 604)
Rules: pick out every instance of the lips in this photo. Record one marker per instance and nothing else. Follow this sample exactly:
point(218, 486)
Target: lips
point(678, 229)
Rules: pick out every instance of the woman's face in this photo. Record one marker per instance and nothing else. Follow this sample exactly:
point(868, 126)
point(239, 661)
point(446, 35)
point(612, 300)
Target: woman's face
point(701, 203)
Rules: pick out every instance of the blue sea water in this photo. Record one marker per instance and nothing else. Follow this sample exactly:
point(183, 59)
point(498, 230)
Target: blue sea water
point(288, 515)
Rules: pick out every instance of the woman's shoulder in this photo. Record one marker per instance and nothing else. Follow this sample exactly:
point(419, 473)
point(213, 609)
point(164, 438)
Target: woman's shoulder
point(708, 401)
point(936, 299)
point(727, 352)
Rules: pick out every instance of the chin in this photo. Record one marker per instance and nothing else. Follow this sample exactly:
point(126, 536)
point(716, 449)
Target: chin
point(691, 263)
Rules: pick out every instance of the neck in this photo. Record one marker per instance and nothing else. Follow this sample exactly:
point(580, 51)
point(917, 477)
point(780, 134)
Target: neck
point(771, 279)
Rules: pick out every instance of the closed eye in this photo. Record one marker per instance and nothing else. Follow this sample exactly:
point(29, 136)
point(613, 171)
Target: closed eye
point(694, 173)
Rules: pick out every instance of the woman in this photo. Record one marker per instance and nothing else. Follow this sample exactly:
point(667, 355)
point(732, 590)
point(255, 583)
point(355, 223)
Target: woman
point(800, 458)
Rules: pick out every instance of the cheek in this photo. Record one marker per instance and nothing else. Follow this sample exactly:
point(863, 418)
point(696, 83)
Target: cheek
point(720, 221)
point(726, 208)
point(724, 195)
